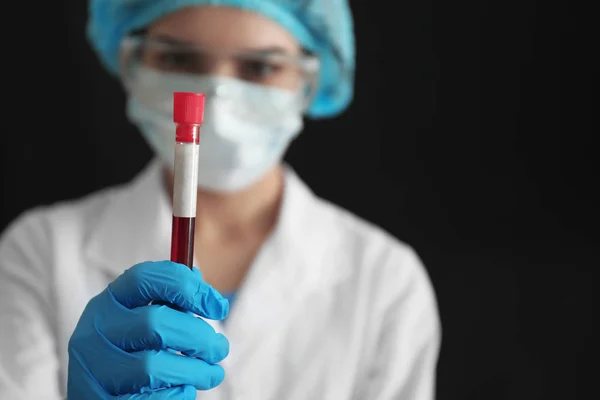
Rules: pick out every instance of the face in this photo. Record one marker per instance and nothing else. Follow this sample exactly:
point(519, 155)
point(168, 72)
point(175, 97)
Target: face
point(243, 137)
point(255, 51)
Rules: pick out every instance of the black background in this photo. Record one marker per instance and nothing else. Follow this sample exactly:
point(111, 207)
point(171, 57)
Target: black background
point(470, 138)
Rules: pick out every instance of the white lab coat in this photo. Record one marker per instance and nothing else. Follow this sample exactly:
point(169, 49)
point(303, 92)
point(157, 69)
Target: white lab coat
point(333, 308)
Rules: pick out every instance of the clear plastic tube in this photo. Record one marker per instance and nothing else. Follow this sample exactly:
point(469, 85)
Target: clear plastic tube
point(188, 112)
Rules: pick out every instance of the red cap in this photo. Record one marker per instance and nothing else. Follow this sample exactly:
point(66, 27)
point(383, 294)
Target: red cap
point(188, 108)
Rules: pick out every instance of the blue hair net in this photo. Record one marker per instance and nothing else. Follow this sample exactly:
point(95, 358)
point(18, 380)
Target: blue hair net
point(324, 27)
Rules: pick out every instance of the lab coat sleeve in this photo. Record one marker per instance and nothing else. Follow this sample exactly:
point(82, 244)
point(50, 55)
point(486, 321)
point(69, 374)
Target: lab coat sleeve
point(409, 338)
point(28, 362)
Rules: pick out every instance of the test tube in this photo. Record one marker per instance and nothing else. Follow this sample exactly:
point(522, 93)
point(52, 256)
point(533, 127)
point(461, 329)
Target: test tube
point(188, 114)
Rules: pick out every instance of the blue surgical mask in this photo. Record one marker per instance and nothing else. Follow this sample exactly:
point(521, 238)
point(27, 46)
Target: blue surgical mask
point(247, 127)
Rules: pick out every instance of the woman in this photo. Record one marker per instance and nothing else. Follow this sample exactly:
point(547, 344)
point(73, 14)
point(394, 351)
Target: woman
point(319, 303)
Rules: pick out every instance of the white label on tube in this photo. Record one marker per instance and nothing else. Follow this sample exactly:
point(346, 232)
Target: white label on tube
point(185, 188)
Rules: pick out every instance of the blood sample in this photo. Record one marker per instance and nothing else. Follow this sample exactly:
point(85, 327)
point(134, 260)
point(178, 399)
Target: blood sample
point(188, 114)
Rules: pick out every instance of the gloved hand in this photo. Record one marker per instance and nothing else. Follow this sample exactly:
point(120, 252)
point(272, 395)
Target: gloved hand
point(125, 348)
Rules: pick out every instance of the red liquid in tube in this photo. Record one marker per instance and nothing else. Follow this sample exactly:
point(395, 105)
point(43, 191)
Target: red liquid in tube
point(182, 240)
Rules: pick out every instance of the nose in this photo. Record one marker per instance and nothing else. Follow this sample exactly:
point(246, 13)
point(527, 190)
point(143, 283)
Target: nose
point(220, 66)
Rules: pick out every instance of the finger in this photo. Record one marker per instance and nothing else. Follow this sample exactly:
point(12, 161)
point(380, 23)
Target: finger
point(160, 327)
point(169, 282)
point(176, 393)
point(81, 383)
point(158, 369)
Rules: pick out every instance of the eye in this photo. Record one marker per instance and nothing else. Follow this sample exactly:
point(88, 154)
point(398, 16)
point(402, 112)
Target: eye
point(252, 70)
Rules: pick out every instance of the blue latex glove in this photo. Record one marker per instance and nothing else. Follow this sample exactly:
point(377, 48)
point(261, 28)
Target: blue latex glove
point(124, 348)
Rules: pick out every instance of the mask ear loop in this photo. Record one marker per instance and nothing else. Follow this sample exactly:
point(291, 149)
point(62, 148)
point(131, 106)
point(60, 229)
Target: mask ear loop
point(128, 54)
point(312, 66)
point(125, 53)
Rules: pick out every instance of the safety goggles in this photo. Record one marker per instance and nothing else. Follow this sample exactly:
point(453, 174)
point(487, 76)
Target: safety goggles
point(296, 74)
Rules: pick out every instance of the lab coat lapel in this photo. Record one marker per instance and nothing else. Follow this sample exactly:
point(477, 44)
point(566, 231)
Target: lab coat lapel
point(282, 276)
point(134, 227)
point(260, 308)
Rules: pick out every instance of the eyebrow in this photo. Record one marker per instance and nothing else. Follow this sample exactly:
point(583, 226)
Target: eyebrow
point(274, 49)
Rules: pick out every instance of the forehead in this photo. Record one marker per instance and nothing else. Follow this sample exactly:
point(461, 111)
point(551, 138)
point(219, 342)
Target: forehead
point(223, 27)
